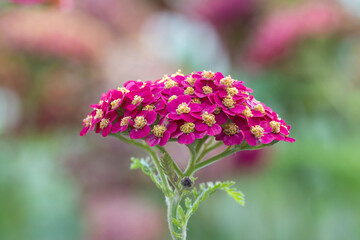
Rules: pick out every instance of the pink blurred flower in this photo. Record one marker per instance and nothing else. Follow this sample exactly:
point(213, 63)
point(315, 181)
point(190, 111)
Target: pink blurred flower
point(222, 12)
point(282, 29)
point(115, 216)
point(62, 4)
point(53, 33)
point(28, 1)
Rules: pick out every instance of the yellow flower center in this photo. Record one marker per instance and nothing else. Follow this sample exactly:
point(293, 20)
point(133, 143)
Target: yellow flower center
point(170, 83)
point(172, 98)
point(123, 90)
point(231, 129)
point(196, 100)
point(207, 89)
point(87, 121)
point(183, 108)
point(143, 85)
point(115, 103)
point(217, 110)
point(149, 107)
point(99, 114)
point(260, 108)
point(275, 126)
point(208, 74)
point(227, 81)
point(139, 122)
point(232, 91)
point(257, 131)
point(137, 99)
point(189, 91)
point(178, 73)
point(187, 127)
point(247, 112)
point(229, 102)
point(125, 121)
point(104, 123)
point(209, 119)
point(159, 130)
point(190, 80)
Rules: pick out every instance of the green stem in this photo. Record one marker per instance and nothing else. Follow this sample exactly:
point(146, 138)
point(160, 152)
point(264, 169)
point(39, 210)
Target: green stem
point(172, 205)
point(191, 163)
point(207, 150)
point(215, 158)
point(200, 144)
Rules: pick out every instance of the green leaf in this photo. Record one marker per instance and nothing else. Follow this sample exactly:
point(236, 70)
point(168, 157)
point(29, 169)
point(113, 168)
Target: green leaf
point(188, 203)
point(166, 164)
point(236, 195)
point(180, 214)
point(148, 168)
point(210, 188)
point(178, 235)
point(177, 223)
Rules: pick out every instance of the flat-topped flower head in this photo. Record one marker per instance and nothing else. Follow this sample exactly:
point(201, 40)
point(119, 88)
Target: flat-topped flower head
point(185, 108)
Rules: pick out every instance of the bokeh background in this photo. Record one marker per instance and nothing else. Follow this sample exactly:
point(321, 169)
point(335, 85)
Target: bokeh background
point(301, 58)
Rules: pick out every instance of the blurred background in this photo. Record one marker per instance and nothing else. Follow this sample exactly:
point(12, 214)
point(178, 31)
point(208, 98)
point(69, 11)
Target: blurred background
point(57, 56)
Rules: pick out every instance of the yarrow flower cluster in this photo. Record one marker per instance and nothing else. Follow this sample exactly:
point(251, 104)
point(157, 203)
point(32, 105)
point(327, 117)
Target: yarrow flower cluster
point(183, 108)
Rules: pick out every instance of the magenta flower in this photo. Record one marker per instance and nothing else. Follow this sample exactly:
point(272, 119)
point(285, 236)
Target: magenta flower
point(186, 133)
point(104, 124)
point(141, 124)
point(230, 105)
point(134, 98)
point(185, 108)
point(231, 134)
point(209, 123)
point(161, 133)
point(123, 123)
point(182, 108)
